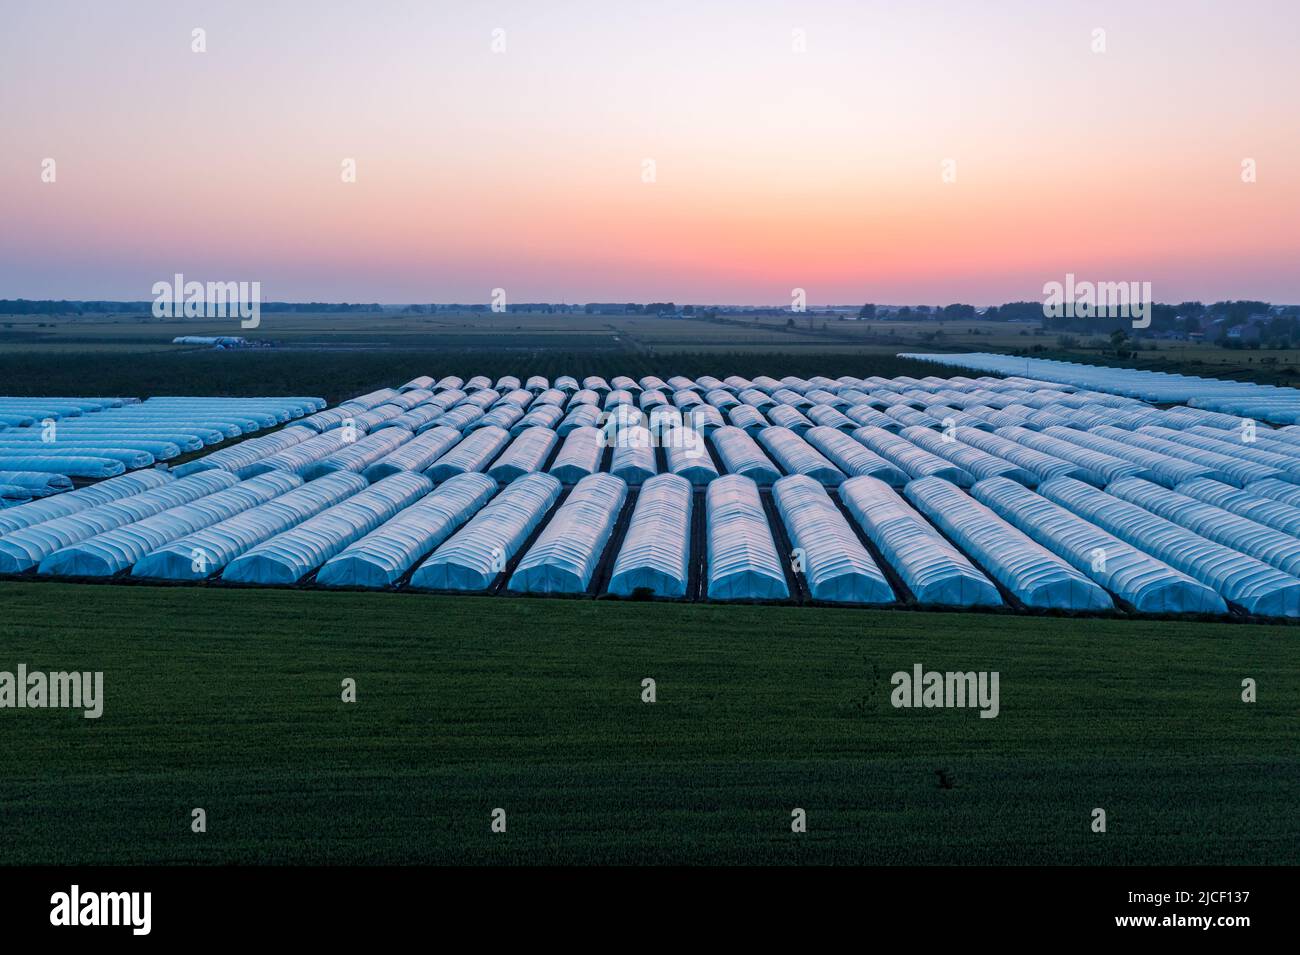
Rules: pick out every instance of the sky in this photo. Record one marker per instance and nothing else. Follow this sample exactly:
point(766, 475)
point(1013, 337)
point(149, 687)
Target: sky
point(711, 151)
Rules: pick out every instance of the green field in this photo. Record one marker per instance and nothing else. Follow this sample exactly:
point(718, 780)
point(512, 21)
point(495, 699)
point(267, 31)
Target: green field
point(230, 700)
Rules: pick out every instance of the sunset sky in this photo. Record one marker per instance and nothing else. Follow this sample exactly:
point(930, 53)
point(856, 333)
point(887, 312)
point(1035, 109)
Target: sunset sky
point(775, 169)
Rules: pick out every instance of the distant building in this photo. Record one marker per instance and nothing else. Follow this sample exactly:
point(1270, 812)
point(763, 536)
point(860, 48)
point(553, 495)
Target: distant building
point(214, 341)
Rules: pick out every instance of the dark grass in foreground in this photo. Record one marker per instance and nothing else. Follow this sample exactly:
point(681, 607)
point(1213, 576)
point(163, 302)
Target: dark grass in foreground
point(229, 700)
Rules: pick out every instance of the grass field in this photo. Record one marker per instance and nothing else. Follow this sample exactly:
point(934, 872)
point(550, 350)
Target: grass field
point(230, 700)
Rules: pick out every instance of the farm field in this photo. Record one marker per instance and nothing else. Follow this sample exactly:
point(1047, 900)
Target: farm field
point(230, 701)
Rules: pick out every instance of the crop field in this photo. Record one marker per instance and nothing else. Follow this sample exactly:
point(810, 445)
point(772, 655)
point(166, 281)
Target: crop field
point(230, 701)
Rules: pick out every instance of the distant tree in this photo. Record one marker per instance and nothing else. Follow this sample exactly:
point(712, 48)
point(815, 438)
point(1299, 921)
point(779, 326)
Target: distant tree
point(867, 311)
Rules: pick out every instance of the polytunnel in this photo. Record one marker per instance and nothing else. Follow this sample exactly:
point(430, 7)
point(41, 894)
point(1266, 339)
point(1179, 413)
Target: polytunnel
point(36, 483)
point(450, 383)
point(911, 418)
point(129, 458)
point(1276, 490)
point(579, 456)
point(580, 416)
point(543, 416)
point(526, 453)
point(1042, 466)
point(1251, 584)
point(1244, 503)
point(1030, 572)
point(788, 417)
point(953, 418)
point(1282, 441)
point(978, 464)
point(747, 417)
point(721, 399)
point(566, 383)
point(239, 458)
point(624, 383)
point(299, 457)
point(478, 553)
point(740, 454)
point(619, 397)
point(118, 549)
point(826, 416)
point(328, 419)
point(651, 399)
point(520, 397)
point(908, 458)
point(1214, 523)
point(634, 457)
point(852, 457)
point(372, 399)
point(1155, 466)
point(293, 554)
point(595, 383)
point(791, 399)
point(1229, 470)
point(478, 383)
point(506, 416)
point(797, 456)
point(418, 383)
point(1144, 582)
point(754, 398)
point(665, 419)
point(933, 570)
point(704, 418)
point(743, 562)
point(205, 553)
point(459, 417)
point(413, 455)
point(565, 556)
point(870, 418)
point(688, 455)
point(651, 383)
point(821, 398)
point(687, 398)
point(71, 502)
point(1246, 450)
point(656, 549)
point(29, 441)
point(507, 383)
point(11, 495)
point(359, 454)
point(417, 420)
point(474, 453)
point(82, 467)
point(381, 557)
point(1097, 467)
point(834, 562)
point(23, 549)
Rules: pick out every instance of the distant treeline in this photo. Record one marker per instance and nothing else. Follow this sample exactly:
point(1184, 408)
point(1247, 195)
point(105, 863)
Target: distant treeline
point(23, 306)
